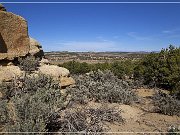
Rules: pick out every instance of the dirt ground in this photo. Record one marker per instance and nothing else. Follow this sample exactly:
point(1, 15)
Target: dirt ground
point(139, 117)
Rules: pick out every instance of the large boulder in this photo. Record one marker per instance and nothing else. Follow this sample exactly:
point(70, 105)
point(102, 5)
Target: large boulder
point(58, 73)
point(35, 48)
point(14, 39)
point(8, 73)
point(66, 81)
point(54, 71)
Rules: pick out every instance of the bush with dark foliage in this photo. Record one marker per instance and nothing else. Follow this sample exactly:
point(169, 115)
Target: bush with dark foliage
point(29, 63)
point(166, 104)
point(173, 130)
point(161, 69)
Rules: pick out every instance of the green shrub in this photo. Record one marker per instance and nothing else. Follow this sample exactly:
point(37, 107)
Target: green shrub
point(119, 68)
point(160, 69)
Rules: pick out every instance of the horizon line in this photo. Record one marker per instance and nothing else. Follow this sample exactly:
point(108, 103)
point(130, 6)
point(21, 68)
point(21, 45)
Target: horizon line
point(89, 2)
point(103, 51)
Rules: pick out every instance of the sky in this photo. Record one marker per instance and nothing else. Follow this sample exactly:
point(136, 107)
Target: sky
point(102, 27)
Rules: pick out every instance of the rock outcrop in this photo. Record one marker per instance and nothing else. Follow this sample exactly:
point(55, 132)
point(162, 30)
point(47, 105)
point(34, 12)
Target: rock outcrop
point(14, 39)
point(2, 8)
point(15, 42)
point(35, 48)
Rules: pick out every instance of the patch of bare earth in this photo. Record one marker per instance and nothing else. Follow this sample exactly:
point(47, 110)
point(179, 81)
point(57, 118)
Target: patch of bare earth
point(140, 117)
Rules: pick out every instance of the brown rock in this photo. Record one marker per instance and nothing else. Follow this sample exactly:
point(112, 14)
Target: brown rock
point(66, 81)
point(55, 71)
point(8, 73)
point(35, 48)
point(14, 39)
point(44, 62)
point(2, 8)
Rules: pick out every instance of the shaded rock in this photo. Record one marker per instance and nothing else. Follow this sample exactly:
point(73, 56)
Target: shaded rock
point(8, 73)
point(14, 39)
point(54, 71)
point(2, 8)
point(66, 81)
point(6, 63)
point(35, 48)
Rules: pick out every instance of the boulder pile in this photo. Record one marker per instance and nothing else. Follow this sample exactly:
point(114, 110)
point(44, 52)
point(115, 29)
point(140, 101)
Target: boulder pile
point(15, 43)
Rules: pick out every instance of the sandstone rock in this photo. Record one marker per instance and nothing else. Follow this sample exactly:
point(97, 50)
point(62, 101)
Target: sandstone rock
point(66, 81)
point(44, 61)
point(14, 39)
point(2, 8)
point(8, 73)
point(35, 48)
point(54, 71)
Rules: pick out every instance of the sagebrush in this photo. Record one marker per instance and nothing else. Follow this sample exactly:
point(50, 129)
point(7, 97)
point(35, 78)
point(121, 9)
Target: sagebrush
point(102, 87)
point(86, 120)
point(29, 63)
point(166, 104)
point(33, 100)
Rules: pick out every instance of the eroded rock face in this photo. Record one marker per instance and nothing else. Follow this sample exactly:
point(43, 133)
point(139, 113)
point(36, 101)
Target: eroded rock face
point(35, 48)
point(15, 42)
point(14, 39)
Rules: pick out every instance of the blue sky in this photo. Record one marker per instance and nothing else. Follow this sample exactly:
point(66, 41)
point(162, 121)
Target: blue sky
point(102, 27)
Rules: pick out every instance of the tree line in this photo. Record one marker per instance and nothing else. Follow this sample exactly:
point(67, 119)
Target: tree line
point(155, 69)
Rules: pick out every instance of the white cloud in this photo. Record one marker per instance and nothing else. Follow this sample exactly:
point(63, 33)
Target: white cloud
point(171, 31)
point(166, 31)
point(84, 46)
point(137, 37)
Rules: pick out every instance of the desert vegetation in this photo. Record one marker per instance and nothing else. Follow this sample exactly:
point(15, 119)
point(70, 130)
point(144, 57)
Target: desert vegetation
point(160, 70)
point(102, 87)
point(35, 102)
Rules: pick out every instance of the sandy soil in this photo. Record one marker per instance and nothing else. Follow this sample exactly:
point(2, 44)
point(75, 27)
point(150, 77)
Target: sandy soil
point(139, 118)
